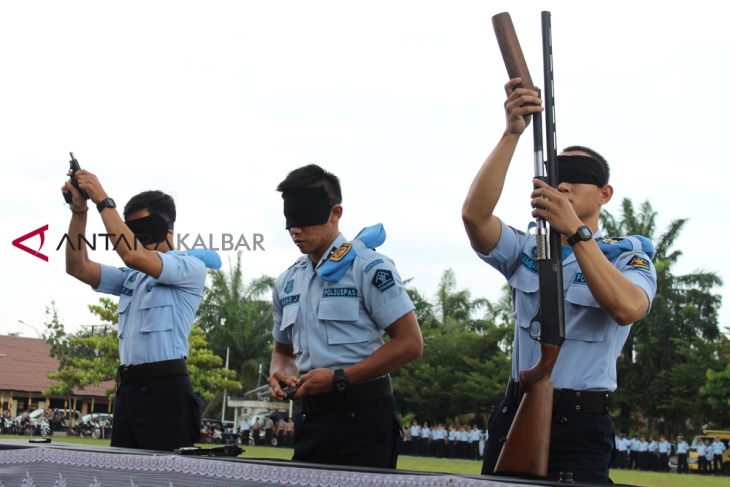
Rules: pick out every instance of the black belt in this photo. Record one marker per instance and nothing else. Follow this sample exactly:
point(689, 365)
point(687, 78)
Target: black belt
point(129, 374)
point(567, 400)
point(356, 394)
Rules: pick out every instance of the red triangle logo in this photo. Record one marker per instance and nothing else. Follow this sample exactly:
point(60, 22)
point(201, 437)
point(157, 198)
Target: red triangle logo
point(40, 231)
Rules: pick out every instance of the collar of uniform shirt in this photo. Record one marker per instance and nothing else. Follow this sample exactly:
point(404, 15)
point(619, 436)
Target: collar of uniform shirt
point(338, 241)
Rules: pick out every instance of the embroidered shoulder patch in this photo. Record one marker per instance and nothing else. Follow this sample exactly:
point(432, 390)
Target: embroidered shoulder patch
point(289, 300)
point(341, 251)
point(289, 286)
point(518, 231)
point(383, 280)
point(372, 264)
point(339, 292)
point(639, 263)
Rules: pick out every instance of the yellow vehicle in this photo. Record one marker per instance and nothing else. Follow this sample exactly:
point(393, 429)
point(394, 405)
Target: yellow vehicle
point(710, 435)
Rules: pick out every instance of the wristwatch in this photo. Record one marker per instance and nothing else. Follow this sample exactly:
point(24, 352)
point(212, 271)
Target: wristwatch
point(107, 203)
point(341, 383)
point(584, 233)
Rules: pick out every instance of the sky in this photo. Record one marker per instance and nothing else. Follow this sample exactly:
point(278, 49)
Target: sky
point(215, 102)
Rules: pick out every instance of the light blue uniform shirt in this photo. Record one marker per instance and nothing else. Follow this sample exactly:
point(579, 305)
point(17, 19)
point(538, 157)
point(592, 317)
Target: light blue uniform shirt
point(155, 315)
point(587, 360)
point(718, 447)
point(643, 446)
point(246, 425)
point(474, 435)
point(415, 431)
point(634, 444)
point(682, 447)
point(436, 434)
point(452, 435)
point(622, 444)
point(652, 447)
point(701, 450)
point(335, 325)
point(663, 446)
point(425, 432)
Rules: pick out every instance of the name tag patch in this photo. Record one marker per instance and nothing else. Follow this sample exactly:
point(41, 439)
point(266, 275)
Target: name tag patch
point(126, 291)
point(383, 280)
point(339, 292)
point(639, 263)
point(373, 264)
point(528, 263)
point(150, 287)
point(289, 300)
point(579, 279)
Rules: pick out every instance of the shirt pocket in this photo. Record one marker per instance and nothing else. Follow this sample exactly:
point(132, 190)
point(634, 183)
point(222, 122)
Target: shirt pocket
point(340, 317)
point(289, 316)
point(123, 312)
point(525, 299)
point(156, 311)
point(584, 318)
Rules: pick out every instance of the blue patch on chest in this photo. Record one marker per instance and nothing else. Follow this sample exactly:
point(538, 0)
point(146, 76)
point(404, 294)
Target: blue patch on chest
point(289, 286)
point(126, 291)
point(339, 292)
point(579, 279)
point(289, 300)
point(528, 263)
point(150, 287)
point(372, 264)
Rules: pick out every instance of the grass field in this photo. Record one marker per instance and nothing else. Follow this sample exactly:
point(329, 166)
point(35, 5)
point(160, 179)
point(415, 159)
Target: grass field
point(468, 467)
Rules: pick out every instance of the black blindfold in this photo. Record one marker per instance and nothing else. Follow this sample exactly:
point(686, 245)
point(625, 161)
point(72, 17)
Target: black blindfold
point(580, 170)
point(149, 229)
point(304, 207)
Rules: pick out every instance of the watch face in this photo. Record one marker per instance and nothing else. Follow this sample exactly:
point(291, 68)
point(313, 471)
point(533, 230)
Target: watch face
point(585, 232)
point(341, 386)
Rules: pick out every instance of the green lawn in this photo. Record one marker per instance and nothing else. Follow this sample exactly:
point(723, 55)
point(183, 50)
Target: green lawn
point(468, 467)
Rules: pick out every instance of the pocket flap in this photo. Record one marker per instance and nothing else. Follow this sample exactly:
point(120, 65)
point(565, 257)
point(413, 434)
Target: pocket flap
point(289, 316)
point(339, 309)
point(162, 296)
point(524, 280)
point(580, 294)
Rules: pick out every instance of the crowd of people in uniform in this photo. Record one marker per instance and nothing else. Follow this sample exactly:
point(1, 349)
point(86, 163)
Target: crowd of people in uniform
point(653, 456)
point(440, 442)
point(284, 432)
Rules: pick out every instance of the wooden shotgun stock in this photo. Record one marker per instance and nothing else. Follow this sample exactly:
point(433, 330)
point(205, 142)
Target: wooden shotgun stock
point(527, 447)
point(514, 60)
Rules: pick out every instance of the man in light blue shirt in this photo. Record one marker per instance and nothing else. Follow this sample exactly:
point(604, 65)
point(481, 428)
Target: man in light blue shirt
point(701, 460)
point(425, 440)
point(331, 310)
point(415, 438)
point(451, 443)
point(718, 447)
point(246, 430)
point(622, 445)
point(708, 456)
point(159, 292)
point(664, 448)
point(652, 453)
point(643, 453)
point(682, 449)
point(474, 437)
point(608, 284)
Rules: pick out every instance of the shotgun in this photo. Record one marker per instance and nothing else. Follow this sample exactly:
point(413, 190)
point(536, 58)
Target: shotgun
point(527, 448)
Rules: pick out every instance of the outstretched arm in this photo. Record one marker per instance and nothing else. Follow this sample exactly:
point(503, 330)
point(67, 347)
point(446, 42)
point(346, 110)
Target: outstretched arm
point(482, 227)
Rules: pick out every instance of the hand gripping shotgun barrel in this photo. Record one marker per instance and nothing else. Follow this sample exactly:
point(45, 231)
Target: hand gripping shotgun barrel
point(525, 452)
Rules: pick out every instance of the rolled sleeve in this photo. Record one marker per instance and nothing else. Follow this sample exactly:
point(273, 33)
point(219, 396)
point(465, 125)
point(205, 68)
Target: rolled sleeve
point(183, 271)
point(506, 254)
point(111, 280)
point(393, 310)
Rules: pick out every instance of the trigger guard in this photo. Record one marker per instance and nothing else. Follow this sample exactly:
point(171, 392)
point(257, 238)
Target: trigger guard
point(535, 336)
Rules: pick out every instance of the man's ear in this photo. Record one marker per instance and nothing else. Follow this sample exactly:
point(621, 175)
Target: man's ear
point(336, 213)
point(606, 194)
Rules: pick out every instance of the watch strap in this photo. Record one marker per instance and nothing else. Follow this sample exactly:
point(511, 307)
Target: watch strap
point(578, 237)
point(106, 203)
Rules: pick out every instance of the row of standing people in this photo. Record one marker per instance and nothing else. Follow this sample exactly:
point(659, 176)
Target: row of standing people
point(640, 454)
point(439, 442)
point(284, 432)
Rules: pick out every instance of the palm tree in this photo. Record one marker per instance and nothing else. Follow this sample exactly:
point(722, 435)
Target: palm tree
point(684, 308)
point(233, 314)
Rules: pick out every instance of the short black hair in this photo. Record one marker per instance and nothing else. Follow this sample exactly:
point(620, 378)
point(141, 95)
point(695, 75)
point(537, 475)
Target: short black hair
point(595, 155)
point(154, 202)
point(310, 176)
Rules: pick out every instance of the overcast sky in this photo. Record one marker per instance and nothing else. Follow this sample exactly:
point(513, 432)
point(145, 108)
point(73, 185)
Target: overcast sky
point(215, 102)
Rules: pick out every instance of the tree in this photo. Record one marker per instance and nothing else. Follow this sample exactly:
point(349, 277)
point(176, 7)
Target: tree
point(717, 386)
point(463, 366)
point(234, 316)
point(684, 312)
point(86, 359)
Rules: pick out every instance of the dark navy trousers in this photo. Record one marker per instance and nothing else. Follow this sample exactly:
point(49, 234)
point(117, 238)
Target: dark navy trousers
point(364, 435)
point(579, 443)
point(159, 414)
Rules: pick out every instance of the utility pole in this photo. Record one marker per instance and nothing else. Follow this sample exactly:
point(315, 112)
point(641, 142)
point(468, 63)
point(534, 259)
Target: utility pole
point(225, 392)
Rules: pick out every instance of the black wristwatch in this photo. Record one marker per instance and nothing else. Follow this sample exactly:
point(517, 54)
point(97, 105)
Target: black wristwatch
point(107, 203)
point(584, 233)
point(341, 383)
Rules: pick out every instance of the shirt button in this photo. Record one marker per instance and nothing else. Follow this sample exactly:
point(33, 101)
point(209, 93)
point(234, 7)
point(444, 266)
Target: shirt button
point(351, 415)
point(144, 389)
point(563, 420)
